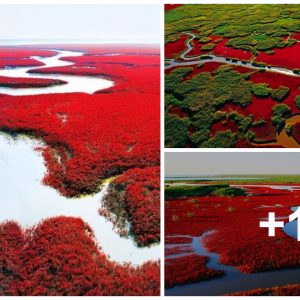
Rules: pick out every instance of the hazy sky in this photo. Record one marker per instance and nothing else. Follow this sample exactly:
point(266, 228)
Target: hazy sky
point(231, 163)
point(102, 22)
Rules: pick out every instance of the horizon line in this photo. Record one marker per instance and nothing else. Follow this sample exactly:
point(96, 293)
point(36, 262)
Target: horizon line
point(21, 42)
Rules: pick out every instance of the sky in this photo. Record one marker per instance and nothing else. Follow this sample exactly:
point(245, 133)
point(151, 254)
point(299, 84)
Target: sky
point(81, 22)
point(193, 164)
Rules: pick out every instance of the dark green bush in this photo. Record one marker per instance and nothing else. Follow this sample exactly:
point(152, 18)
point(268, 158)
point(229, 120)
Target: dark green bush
point(261, 90)
point(280, 94)
point(297, 101)
point(223, 139)
point(176, 131)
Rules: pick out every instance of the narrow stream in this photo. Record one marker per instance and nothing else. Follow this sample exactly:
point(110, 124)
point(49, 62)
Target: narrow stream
point(195, 60)
point(84, 84)
point(233, 280)
point(27, 201)
point(283, 138)
point(24, 199)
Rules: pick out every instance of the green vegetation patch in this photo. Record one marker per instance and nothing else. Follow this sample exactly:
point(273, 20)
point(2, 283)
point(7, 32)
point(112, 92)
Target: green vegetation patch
point(203, 190)
point(255, 28)
point(297, 101)
point(176, 131)
point(200, 97)
point(261, 90)
point(208, 47)
point(280, 112)
point(280, 94)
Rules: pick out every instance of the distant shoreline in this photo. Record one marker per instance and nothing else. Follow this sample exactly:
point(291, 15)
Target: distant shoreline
point(75, 42)
point(241, 179)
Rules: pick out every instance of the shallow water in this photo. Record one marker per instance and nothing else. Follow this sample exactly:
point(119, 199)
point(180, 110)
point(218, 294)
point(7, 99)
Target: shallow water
point(233, 280)
point(24, 199)
point(195, 60)
point(290, 228)
point(213, 178)
point(84, 84)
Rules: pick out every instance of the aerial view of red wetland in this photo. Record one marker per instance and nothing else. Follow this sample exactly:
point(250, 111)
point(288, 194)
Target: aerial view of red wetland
point(232, 76)
point(231, 224)
point(79, 150)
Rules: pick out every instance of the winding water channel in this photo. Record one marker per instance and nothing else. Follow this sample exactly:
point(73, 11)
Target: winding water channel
point(233, 280)
point(26, 200)
point(195, 60)
point(282, 138)
point(84, 84)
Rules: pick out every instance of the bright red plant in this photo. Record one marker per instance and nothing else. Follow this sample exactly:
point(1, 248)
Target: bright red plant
point(60, 257)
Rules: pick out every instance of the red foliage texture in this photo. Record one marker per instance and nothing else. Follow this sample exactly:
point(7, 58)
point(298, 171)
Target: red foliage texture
point(223, 50)
point(101, 135)
point(188, 269)
point(171, 6)
point(296, 132)
point(21, 57)
point(141, 188)
point(60, 257)
point(237, 236)
point(286, 57)
point(262, 107)
point(286, 290)
point(259, 108)
point(174, 48)
point(22, 53)
point(88, 138)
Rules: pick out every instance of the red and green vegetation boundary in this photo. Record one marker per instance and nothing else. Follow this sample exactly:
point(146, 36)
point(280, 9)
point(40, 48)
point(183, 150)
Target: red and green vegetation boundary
point(234, 220)
point(232, 106)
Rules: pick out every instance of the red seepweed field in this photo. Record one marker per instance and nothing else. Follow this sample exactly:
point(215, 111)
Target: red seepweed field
point(198, 227)
point(88, 138)
point(255, 47)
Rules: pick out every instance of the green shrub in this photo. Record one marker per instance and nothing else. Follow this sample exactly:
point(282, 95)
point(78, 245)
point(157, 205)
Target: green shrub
point(175, 77)
point(281, 110)
point(297, 101)
point(258, 64)
point(270, 52)
point(229, 192)
point(280, 94)
point(191, 191)
point(261, 90)
point(176, 131)
point(291, 42)
point(278, 122)
point(245, 124)
point(200, 136)
point(259, 122)
point(171, 100)
point(203, 190)
point(218, 40)
point(223, 139)
point(205, 57)
point(250, 136)
point(205, 40)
